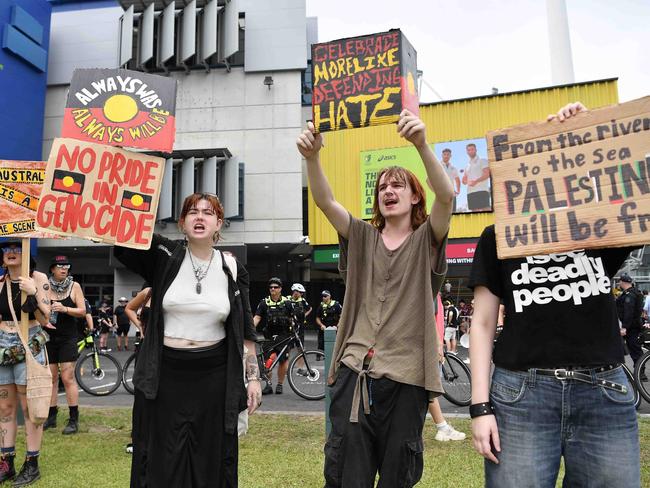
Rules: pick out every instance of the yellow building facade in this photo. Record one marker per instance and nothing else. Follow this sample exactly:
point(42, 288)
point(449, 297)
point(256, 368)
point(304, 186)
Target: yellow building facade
point(453, 120)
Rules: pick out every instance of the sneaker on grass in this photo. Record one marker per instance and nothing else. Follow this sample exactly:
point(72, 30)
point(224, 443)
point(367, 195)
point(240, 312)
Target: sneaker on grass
point(448, 433)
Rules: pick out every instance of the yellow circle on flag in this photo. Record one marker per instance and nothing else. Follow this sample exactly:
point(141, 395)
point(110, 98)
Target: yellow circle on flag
point(137, 200)
point(120, 108)
point(68, 181)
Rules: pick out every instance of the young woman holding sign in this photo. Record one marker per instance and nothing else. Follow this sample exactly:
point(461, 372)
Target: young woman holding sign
point(189, 378)
point(558, 390)
point(12, 360)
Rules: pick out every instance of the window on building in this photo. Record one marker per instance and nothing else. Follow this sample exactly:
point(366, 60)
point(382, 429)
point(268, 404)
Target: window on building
point(307, 85)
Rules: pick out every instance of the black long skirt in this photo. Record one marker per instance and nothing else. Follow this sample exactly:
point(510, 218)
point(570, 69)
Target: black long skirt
point(179, 439)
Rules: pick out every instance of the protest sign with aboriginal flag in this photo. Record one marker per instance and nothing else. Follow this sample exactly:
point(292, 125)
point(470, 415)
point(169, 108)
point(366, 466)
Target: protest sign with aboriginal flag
point(363, 81)
point(20, 189)
point(119, 107)
point(100, 193)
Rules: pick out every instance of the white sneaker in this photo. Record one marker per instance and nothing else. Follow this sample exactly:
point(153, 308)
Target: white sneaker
point(449, 434)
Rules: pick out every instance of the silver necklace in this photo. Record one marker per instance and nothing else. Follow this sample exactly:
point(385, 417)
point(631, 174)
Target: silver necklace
point(200, 271)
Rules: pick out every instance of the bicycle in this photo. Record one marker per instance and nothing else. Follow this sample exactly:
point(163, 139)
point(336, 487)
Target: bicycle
point(456, 380)
point(129, 368)
point(642, 369)
point(97, 373)
point(633, 384)
point(306, 380)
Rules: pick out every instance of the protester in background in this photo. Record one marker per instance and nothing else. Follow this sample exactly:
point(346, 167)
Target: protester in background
point(646, 306)
point(85, 324)
point(121, 319)
point(386, 340)
point(557, 390)
point(12, 360)
point(139, 309)
point(444, 430)
point(68, 306)
point(629, 305)
point(451, 326)
point(189, 377)
point(328, 314)
point(105, 319)
point(275, 313)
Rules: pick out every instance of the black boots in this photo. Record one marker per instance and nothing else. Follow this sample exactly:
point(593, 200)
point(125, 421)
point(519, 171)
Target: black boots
point(7, 470)
point(72, 426)
point(28, 473)
point(51, 418)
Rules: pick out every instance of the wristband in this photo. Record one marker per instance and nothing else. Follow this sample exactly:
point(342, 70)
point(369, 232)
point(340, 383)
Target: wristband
point(480, 409)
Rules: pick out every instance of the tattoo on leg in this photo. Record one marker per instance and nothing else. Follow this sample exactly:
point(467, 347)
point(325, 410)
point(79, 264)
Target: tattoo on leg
point(4, 393)
point(5, 420)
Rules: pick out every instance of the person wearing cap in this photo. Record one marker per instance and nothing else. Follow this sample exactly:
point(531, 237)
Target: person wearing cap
point(12, 359)
point(384, 353)
point(275, 313)
point(328, 314)
point(301, 310)
point(551, 391)
point(121, 319)
point(629, 306)
point(68, 305)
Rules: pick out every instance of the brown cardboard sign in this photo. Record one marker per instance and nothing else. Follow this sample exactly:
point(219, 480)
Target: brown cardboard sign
point(363, 81)
point(582, 183)
point(101, 193)
point(20, 189)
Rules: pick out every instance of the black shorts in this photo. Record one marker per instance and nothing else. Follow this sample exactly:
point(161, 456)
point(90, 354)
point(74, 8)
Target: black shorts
point(123, 330)
point(478, 200)
point(62, 350)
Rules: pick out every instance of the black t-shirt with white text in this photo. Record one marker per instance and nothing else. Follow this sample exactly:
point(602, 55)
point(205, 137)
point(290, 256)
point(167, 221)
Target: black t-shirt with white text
point(559, 308)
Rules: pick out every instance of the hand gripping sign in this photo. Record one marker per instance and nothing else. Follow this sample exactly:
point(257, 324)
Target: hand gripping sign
point(100, 193)
point(578, 184)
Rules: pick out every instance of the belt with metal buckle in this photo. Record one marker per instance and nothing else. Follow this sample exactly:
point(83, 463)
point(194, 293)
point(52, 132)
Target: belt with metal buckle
point(584, 375)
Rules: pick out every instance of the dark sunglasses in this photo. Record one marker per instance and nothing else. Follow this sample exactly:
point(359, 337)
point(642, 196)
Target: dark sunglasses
point(272, 287)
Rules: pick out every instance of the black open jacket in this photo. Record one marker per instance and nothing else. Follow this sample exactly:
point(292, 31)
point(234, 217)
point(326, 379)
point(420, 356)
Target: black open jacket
point(159, 266)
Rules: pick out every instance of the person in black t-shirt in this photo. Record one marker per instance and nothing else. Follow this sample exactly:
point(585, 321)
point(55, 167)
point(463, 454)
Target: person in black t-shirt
point(629, 305)
point(557, 389)
point(328, 314)
point(121, 319)
point(451, 326)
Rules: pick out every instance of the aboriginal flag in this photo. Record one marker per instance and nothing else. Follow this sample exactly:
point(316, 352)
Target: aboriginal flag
point(68, 182)
point(136, 201)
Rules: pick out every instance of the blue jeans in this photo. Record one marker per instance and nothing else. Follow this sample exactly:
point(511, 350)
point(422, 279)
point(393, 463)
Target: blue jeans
point(542, 419)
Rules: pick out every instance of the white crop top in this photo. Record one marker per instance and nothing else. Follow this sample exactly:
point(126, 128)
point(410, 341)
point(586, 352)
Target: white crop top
point(193, 316)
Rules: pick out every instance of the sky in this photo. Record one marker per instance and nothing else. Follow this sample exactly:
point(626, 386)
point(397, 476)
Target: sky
point(467, 47)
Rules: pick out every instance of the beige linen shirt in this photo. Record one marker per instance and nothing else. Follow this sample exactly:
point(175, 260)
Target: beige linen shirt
point(389, 307)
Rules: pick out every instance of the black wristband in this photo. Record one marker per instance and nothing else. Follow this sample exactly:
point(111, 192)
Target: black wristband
point(30, 305)
point(480, 409)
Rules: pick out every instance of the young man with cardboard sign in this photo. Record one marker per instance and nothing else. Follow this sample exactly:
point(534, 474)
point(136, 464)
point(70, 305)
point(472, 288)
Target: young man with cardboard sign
point(558, 389)
point(385, 367)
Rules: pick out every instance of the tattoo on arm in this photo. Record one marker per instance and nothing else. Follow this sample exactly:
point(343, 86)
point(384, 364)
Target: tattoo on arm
point(252, 369)
point(5, 420)
point(46, 286)
point(4, 393)
point(45, 301)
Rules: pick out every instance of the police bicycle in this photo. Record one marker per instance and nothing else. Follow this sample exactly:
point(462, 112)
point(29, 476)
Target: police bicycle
point(456, 379)
point(306, 372)
point(642, 368)
point(97, 372)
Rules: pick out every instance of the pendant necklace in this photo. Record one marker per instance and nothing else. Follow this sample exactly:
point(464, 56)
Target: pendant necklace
point(200, 271)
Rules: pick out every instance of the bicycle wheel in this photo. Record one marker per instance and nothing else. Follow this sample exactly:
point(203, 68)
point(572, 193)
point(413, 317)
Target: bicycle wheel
point(99, 379)
point(641, 376)
point(635, 390)
point(127, 374)
point(308, 380)
point(456, 381)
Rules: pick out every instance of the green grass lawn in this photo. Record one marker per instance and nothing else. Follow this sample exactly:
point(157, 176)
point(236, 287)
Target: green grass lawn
point(279, 452)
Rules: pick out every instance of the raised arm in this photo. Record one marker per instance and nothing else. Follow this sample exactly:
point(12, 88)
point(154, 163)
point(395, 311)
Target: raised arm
point(131, 309)
point(413, 130)
point(309, 144)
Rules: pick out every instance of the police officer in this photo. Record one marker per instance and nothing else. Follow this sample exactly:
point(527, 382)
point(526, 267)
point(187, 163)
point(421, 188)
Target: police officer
point(327, 315)
point(277, 313)
point(629, 305)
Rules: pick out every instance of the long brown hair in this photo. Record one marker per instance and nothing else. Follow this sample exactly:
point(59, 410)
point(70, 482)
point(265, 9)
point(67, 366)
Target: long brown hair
point(418, 210)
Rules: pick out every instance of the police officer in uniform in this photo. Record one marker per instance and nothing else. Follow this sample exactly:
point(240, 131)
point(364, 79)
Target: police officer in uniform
point(327, 315)
point(629, 306)
point(276, 312)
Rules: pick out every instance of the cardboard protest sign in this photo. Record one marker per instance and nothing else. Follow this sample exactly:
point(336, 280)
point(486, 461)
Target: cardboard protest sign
point(20, 188)
point(100, 193)
point(121, 108)
point(363, 81)
point(582, 183)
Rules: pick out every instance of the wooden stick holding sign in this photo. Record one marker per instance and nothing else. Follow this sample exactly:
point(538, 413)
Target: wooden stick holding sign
point(24, 272)
point(582, 183)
